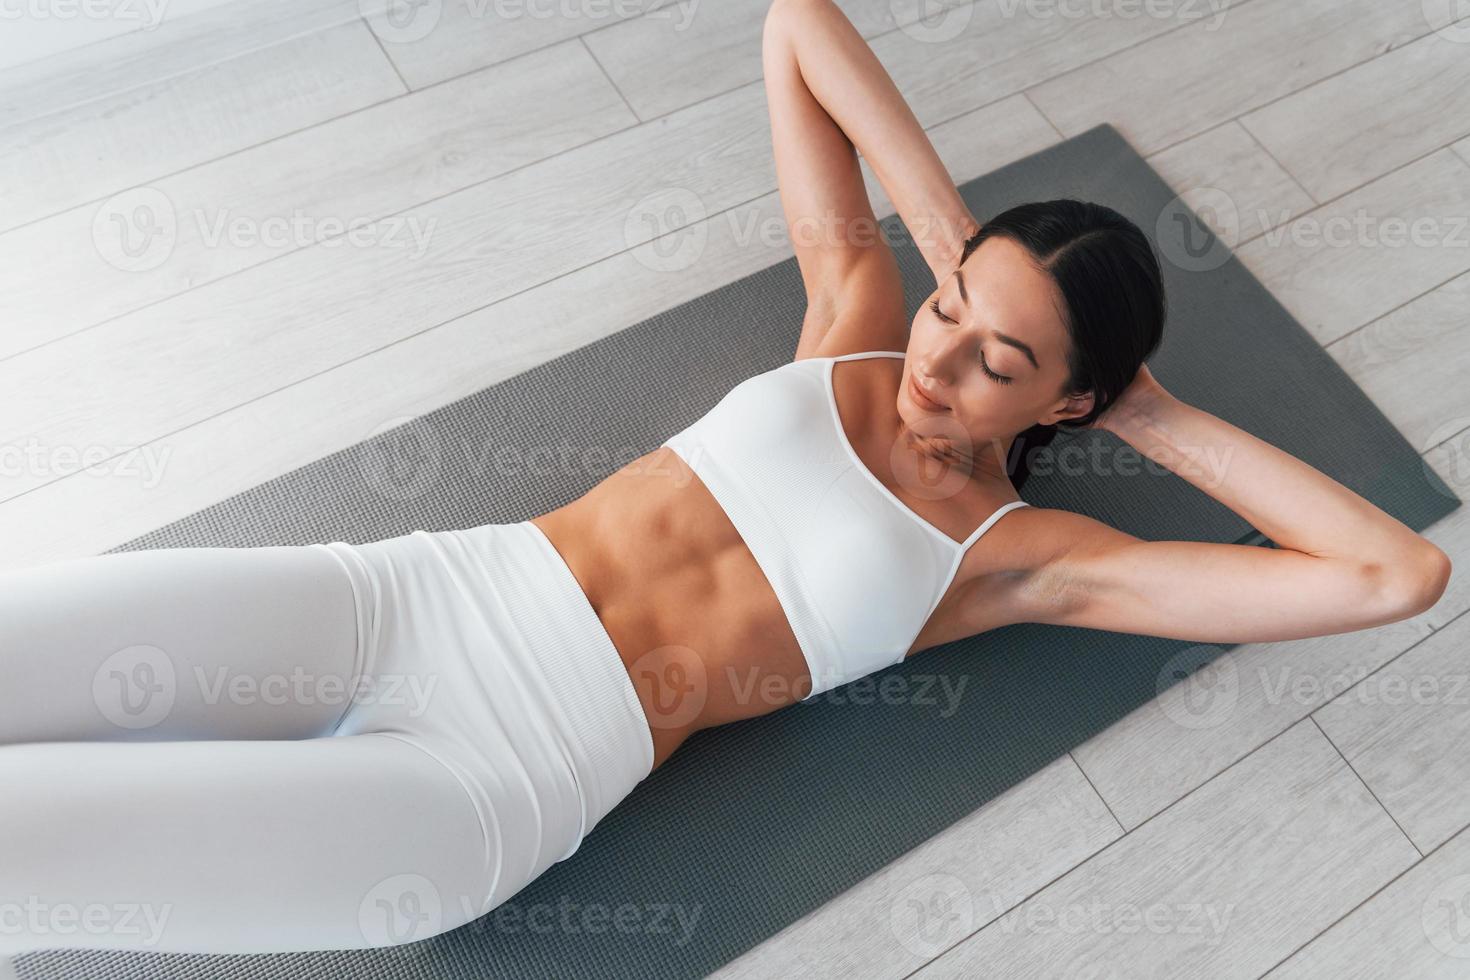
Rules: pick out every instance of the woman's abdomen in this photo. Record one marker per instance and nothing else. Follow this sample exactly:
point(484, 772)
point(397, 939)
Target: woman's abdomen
point(696, 623)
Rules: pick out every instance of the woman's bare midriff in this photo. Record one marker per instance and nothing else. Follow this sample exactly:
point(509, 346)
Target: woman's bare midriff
point(693, 617)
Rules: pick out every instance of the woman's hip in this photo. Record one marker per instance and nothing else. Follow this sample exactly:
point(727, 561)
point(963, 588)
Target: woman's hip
point(479, 646)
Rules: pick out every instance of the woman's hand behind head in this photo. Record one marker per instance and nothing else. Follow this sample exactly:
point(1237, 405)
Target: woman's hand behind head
point(1142, 394)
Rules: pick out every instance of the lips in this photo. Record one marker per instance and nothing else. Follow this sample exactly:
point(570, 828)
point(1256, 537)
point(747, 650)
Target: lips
point(923, 399)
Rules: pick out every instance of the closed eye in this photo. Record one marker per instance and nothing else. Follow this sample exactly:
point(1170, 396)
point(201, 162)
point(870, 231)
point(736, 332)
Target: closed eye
point(991, 374)
point(999, 378)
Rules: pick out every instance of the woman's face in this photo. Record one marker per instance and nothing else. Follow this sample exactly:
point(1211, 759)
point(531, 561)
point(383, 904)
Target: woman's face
point(989, 347)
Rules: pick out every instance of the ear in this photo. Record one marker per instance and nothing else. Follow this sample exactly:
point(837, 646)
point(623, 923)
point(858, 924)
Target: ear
point(1075, 406)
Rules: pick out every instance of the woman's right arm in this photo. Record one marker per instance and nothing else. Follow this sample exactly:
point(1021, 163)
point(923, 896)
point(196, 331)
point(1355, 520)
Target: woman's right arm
point(1340, 563)
point(851, 84)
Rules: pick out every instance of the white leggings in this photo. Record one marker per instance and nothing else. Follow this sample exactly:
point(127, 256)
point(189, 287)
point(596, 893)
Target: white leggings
point(331, 746)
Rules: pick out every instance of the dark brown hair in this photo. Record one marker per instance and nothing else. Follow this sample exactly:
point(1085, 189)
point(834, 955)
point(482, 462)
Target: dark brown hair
point(1109, 278)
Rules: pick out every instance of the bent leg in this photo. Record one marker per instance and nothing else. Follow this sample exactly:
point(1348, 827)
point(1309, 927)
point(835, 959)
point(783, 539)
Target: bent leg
point(235, 847)
point(186, 643)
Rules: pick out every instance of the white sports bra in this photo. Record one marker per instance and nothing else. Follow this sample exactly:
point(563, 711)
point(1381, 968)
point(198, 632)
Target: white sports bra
point(856, 571)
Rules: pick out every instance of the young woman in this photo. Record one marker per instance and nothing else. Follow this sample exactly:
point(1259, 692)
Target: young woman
point(336, 745)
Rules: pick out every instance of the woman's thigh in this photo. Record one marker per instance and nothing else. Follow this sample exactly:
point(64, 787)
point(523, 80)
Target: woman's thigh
point(187, 643)
point(235, 847)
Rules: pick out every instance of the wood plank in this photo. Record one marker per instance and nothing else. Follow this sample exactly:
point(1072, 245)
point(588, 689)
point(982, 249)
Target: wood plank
point(175, 47)
point(1413, 363)
point(899, 918)
point(290, 425)
point(1234, 186)
point(35, 32)
point(1351, 128)
point(1181, 83)
point(274, 324)
point(85, 153)
point(1354, 259)
point(433, 42)
point(1001, 49)
point(665, 63)
point(259, 204)
point(1404, 730)
point(1418, 926)
point(1228, 709)
point(1223, 884)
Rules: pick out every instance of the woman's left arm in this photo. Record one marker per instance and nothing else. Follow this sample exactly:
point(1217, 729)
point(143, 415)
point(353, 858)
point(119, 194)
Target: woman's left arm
point(1341, 564)
point(841, 72)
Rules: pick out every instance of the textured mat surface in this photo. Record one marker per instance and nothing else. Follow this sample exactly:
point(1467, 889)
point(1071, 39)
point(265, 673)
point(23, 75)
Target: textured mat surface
point(751, 826)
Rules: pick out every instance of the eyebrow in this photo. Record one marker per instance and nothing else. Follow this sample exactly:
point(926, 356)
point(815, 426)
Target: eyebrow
point(1020, 345)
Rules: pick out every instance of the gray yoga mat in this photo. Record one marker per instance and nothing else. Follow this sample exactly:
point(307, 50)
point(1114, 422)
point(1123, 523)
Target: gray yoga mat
point(752, 825)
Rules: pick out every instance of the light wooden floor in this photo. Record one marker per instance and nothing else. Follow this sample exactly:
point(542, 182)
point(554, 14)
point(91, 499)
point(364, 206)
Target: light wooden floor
point(184, 316)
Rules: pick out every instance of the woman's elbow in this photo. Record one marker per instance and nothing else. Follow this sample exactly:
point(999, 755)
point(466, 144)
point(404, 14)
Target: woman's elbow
point(778, 13)
point(786, 16)
point(1416, 584)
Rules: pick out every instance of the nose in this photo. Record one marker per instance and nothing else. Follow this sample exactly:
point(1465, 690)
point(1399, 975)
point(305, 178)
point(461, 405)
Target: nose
point(937, 366)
